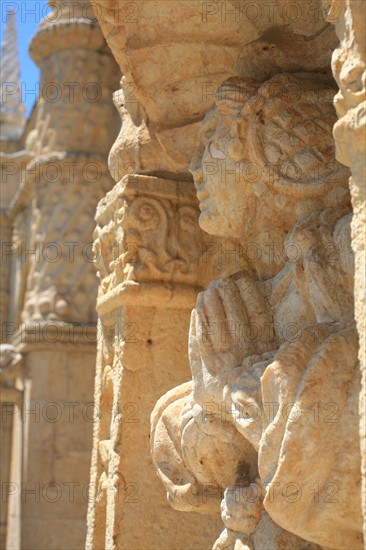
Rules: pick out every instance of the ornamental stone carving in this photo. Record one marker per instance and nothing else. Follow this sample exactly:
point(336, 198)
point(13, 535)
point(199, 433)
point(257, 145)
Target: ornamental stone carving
point(153, 236)
point(58, 246)
point(147, 237)
point(52, 189)
point(148, 254)
point(268, 420)
point(262, 444)
point(199, 44)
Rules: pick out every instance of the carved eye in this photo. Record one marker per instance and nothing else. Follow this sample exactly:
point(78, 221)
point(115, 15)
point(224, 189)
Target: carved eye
point(355, 85)
point(216, 153)
point(146, 213)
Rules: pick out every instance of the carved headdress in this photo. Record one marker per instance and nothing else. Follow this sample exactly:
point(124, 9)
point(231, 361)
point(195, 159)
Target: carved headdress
point(284, 127)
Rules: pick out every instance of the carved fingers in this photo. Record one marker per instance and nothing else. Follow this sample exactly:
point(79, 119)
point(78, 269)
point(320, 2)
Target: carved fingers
point(241, 507)
point(231, 540)
point(221, 334)
point(219, 320)
point(243, 397)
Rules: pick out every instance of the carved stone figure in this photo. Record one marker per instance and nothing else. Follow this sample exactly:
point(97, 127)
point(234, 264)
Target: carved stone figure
point(267, 429)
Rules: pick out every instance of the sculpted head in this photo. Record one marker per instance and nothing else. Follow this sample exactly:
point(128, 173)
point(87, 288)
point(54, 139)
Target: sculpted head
point(266, 155)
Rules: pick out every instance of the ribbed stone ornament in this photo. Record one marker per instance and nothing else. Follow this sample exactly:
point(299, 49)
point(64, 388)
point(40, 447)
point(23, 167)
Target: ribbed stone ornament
point(12, 109)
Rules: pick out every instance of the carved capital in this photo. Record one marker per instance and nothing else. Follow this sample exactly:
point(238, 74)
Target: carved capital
point(147, 236)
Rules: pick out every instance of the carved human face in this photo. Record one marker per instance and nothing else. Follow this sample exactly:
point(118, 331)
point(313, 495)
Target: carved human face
point(227, 201)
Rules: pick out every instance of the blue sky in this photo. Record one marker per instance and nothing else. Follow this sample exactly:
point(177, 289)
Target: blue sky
point(29, 13)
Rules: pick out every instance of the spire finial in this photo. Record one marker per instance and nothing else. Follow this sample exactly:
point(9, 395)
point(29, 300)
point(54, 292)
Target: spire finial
point(12, 110)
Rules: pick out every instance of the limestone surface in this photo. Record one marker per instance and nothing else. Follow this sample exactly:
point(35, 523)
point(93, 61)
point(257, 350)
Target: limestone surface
point(182, 221)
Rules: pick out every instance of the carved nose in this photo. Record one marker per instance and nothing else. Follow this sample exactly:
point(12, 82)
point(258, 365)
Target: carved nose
point(195, 167)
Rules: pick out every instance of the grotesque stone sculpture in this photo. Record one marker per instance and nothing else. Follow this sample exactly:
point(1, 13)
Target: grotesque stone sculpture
point(268, 426)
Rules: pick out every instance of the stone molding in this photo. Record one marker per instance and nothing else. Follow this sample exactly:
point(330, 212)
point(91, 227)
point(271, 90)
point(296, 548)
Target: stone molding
point(63, 35)
point(55, 336)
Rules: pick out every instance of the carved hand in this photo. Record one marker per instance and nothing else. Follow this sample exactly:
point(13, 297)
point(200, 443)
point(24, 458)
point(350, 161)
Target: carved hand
point(242, 506)
point(221, 333)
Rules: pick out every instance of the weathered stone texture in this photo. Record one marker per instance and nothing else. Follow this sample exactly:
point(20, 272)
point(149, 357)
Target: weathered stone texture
point(53, 283)
point(265, 173)
point(349, 69)
point(229, 402)
point(147, 253)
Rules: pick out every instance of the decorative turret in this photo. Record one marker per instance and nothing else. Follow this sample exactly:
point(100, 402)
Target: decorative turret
point(12, 110)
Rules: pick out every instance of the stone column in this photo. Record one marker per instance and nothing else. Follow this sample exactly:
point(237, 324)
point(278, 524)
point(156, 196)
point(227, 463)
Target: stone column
point(349, 69)
point(12, 163)
point(151, 270)
point(75, 127)
point(6, 230)
point(12, 159)
point(147, 248)
point(12, 395)
point(11, 444)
